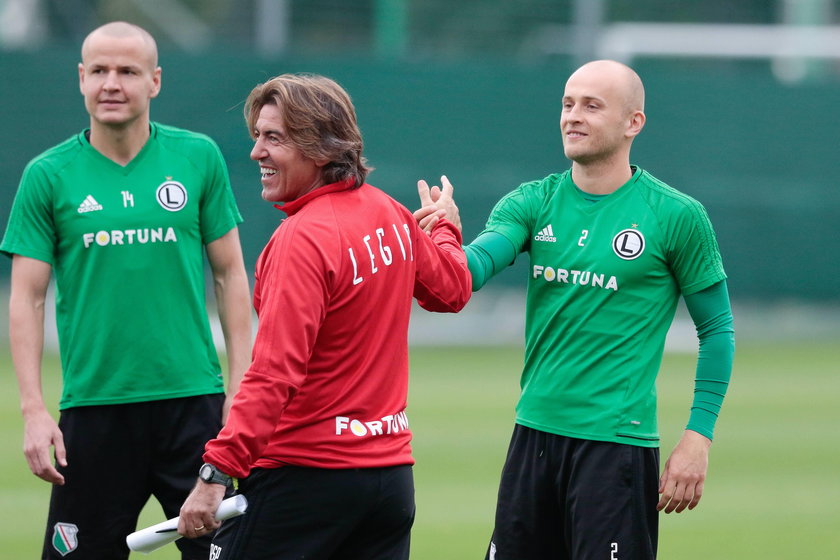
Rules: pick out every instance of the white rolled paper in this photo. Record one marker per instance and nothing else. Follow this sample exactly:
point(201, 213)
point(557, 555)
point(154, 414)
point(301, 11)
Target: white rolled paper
point(154, 537)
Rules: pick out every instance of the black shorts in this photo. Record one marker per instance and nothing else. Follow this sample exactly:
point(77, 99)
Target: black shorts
point(321, 514)
point(573, 499)
point(117, 457)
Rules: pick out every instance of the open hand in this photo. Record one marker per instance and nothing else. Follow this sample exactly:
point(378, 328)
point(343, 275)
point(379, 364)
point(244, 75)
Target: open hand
point(436, 203)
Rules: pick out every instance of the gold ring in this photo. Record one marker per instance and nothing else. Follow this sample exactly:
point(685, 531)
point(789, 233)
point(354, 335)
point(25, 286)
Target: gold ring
point(199, 528)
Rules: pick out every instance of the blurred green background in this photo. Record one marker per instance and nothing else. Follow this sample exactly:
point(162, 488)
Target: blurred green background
point(746, 123)
point(472, 90)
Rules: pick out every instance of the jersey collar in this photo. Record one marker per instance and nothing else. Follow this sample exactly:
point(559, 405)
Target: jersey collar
point(293, 206)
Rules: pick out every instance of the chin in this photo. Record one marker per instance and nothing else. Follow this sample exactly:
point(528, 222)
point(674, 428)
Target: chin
point(573, 155)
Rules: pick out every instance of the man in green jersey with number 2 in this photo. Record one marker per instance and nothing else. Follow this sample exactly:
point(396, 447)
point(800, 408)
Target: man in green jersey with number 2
point(611, 250)
point(122, 213)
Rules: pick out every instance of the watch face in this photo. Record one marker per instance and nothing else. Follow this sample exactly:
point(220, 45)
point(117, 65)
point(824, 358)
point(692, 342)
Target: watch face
point(206, 472)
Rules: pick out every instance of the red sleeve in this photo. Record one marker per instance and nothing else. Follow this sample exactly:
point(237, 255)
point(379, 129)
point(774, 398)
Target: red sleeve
point(443, 282)
point(293, 288)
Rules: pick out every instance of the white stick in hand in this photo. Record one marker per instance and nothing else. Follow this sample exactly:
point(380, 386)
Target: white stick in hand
point(154, 537)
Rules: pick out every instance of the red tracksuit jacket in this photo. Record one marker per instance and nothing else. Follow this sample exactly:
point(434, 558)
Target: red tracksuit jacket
point(328, 382)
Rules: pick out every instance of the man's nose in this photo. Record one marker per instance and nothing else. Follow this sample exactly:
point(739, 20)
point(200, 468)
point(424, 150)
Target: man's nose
point(112, 80)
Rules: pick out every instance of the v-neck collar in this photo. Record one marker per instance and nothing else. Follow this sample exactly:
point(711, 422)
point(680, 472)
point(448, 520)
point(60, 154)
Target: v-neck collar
point(84, 138)
point(585, 200)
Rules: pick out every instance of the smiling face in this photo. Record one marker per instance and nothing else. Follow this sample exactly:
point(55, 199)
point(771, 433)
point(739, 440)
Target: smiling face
point(118, 76)
point(286, 173)
point(602, 112)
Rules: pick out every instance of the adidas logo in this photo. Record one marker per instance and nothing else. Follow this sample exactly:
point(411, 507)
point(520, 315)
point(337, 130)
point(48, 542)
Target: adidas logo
point(89, 205)
point(547, 234)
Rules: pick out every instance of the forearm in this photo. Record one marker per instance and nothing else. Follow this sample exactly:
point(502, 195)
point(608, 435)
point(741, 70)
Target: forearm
point(27, 301)
point(26, 338)
point(714, 366)
point(233, 301)
point(712, 315)
point(442, 281)
point(487, 255)
point(234, 308)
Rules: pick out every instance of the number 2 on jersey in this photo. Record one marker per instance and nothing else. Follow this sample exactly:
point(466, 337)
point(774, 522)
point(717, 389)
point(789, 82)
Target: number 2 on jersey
point(584, 233)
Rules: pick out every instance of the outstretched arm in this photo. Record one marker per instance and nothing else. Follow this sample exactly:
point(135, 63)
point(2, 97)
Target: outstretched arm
point(489, 254)
point(684, 474)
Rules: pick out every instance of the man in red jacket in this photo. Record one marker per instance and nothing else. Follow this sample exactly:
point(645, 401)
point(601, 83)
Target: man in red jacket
point(318, 434)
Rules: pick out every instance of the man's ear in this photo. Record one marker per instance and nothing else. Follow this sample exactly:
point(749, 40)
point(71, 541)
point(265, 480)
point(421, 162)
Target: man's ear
point(635, 124)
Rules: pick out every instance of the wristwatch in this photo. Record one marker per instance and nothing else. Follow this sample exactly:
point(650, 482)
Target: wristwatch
point(212, 475)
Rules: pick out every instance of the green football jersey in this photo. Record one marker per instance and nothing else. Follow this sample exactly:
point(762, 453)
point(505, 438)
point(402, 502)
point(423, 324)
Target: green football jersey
point(127, 249)
point(605, 277)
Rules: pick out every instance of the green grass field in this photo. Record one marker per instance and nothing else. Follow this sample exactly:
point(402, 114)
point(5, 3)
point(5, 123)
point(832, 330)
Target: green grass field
point(773, 490)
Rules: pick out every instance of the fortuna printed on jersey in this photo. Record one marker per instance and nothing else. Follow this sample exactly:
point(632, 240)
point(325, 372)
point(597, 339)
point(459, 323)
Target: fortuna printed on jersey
point(64, 538)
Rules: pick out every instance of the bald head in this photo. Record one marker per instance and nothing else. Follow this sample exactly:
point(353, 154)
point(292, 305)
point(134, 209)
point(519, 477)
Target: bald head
point(122, 30)
point(620, 79)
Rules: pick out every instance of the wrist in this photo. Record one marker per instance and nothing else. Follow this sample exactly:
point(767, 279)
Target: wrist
point(211, 474)
point(32, 408)
point(696, 435)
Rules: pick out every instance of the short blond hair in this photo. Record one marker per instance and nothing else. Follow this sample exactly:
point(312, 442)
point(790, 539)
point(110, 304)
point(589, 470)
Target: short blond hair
point(124, 29)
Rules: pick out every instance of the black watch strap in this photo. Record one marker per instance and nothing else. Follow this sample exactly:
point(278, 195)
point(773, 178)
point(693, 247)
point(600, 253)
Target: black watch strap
point(212, 475)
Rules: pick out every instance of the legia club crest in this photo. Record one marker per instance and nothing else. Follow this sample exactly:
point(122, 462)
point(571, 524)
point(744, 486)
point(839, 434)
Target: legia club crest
point(64, 538)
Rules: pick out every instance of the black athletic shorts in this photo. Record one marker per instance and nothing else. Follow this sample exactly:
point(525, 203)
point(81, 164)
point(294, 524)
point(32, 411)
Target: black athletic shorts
point(573, 499)
point(117, 457)
point(321, 514)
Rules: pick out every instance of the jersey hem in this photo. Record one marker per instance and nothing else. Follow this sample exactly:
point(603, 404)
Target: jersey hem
point(700, 286)
point(220, 232)
point(12, 250)
point(616, 438)
point(136, 399)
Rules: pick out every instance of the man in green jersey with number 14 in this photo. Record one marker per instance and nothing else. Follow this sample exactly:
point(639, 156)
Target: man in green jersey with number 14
point(122, 213)
point(611, 250)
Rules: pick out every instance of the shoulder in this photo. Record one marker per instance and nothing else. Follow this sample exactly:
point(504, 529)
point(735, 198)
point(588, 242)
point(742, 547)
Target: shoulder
point(375, 195)
point(366, 197)
point(543, 187)
point(663, 197)
point(182, 140)
point(339, 213)
point(533, 193)
point(59, 156)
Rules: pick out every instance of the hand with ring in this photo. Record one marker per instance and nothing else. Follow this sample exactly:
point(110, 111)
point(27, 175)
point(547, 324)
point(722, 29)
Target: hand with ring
point(197, 516)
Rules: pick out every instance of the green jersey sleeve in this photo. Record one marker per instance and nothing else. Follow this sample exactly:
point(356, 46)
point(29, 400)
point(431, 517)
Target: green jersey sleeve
point(508, 230)
point(31, 229)
point(515, 214)
point(712, 315)
point(694, 255)
point(488, 255)
point(219, 213)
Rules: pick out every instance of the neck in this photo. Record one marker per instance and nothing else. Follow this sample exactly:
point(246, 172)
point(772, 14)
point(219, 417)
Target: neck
point(119, 144)
point(601, 177)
